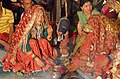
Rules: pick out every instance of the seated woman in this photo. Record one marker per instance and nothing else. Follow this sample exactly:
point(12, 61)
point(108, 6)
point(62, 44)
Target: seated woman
point(83, 16)
point(98, 37)
point(30, 50)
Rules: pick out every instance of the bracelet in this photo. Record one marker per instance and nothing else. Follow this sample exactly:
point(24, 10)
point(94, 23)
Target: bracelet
point(110, 57)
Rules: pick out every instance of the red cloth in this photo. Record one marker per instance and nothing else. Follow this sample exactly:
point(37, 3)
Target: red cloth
point(32, 61)
point(106, 12)
point(4, 36)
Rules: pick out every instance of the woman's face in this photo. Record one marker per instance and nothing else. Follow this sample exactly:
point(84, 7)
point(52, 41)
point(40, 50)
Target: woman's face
point(87, 7)
point(40, 18)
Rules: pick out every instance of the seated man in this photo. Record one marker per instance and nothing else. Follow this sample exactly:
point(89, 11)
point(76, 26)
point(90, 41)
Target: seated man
point(63, 32)
point(6, 27)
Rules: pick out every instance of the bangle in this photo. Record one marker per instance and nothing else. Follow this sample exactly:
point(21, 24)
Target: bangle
point(8, 43)
point(110, 57)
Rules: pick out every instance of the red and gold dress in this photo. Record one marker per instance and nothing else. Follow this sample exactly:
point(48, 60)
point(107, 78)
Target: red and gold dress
point(97, 45)
point(30, 51)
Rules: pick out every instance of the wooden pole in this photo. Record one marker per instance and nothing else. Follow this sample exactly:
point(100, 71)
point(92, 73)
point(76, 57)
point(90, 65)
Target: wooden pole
point(66, 8)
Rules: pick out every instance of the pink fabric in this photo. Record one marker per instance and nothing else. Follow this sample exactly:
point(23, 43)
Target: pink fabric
point(106, 12)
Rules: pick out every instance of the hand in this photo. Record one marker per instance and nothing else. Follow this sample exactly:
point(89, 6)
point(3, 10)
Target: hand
point(49, 38)
point(7, 47)
point(59, 33)
point(9, 41)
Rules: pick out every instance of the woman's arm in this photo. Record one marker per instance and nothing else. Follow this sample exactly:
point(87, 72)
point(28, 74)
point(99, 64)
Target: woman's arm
point(50, 30)
point(79, 28)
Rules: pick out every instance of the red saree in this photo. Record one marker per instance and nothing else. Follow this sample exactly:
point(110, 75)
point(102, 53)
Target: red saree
point(97, 45)
point(33, 60)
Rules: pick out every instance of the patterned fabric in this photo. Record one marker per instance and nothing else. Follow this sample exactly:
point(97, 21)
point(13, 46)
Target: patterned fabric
point(6, 19)
point(26, 60)
point(4, 36)
point(83, 20)
point(96, 46)
point(82, 17)
point(106, 11)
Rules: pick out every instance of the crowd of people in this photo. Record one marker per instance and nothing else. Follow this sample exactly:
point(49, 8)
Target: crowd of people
point(88, 38)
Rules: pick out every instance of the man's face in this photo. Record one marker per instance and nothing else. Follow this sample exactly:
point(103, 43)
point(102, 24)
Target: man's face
point(27, 4)
point(77, 1)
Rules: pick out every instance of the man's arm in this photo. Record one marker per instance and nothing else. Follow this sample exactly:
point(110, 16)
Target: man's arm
point(11, 25)
point(5, 44)
point(10, 33)
point(2, 42)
